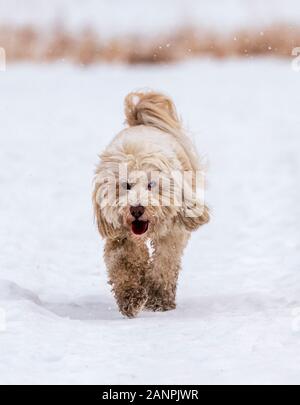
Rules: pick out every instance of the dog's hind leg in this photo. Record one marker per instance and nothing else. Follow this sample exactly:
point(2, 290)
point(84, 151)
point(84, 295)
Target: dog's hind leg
point(127, 265)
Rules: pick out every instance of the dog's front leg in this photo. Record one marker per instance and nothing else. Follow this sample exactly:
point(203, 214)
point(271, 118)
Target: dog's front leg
point(126, 265)
point(161, 279)
point(161, 286)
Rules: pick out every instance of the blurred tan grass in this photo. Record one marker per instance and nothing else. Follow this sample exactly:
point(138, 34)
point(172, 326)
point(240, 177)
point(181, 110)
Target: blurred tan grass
point(85, 48)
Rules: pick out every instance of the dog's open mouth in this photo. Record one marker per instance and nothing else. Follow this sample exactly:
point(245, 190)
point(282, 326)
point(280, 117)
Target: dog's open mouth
point(139, 227)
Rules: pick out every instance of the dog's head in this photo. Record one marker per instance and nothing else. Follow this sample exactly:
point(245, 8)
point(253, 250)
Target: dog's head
point(148, 176)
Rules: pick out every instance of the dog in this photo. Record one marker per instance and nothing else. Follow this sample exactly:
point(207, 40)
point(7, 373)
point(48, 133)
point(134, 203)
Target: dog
point(146, 203)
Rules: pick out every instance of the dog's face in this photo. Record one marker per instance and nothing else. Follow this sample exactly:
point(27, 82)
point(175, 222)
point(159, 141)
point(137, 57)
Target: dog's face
point(140, 203)
point(147, 201)
point(139, 191)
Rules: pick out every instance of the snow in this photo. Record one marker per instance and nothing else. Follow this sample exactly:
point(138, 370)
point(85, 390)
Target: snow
point(238, 318)
point(148, 17)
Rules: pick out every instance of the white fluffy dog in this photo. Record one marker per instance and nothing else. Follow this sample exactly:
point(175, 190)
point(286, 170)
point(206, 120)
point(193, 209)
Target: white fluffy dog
point(147, 203)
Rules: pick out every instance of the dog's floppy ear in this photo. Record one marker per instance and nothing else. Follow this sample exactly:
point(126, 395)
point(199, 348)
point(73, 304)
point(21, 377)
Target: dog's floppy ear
point(194, 212)
point(194, 217)
point(106, 230)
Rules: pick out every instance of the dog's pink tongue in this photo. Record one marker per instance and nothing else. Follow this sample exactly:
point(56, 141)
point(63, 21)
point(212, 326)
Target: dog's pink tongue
point(139, 227)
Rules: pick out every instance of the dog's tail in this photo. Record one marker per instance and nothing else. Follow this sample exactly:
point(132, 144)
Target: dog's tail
point(152, 109)
point(158, 111)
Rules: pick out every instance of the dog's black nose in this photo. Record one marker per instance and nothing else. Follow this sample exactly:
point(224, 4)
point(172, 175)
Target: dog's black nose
point(137, 212)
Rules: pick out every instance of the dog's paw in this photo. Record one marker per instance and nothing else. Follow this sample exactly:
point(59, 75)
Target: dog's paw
point(132, 301)
point(158, 305)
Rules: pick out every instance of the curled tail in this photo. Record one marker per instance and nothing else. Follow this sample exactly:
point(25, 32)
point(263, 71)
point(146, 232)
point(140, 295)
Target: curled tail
point(152, 109)
point(158, 110)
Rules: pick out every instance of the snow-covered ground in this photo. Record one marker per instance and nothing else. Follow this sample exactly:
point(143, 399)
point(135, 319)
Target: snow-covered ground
point(117, 17)
point(238, 316)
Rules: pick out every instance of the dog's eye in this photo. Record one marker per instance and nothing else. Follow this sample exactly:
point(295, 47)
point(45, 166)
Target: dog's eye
point(151, 185)
point(126, 186)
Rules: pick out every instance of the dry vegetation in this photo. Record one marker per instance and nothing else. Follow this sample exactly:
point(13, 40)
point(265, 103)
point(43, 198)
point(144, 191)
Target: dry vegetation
point(85, 48)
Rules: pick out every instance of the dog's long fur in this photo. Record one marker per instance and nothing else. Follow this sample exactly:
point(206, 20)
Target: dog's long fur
point(143, 270)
